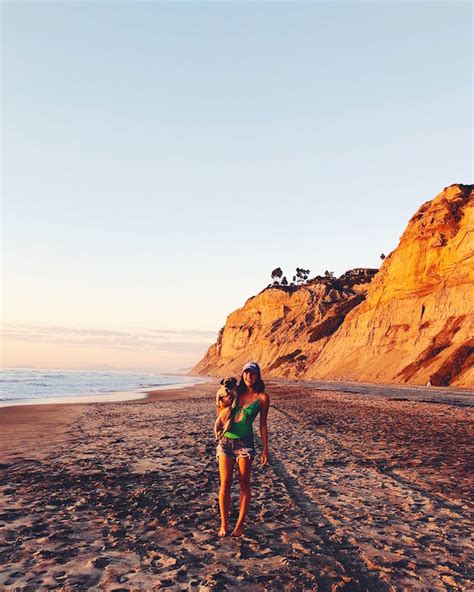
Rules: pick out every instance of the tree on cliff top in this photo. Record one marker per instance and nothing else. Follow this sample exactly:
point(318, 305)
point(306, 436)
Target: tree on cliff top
point(301, 275)
point(277, 274)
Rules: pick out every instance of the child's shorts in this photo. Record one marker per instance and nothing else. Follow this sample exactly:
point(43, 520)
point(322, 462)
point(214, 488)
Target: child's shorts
point(236, 447)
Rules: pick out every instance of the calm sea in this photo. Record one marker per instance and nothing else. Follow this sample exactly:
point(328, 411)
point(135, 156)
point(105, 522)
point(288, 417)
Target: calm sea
point(19, 385)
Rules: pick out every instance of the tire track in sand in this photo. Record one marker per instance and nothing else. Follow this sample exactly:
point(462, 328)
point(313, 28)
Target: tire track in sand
point(412, 539)
point(336, 543)
point(440, 501)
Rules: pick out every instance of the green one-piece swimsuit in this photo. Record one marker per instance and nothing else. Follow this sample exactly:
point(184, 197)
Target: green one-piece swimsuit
point(243, 428)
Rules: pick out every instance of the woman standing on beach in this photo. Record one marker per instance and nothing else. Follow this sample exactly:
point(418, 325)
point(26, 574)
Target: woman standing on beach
point(237, 444)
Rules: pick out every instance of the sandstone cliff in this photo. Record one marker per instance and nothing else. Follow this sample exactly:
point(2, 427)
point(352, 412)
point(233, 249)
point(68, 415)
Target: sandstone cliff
point(417, 322)
point(413, 322)
point(285, 328)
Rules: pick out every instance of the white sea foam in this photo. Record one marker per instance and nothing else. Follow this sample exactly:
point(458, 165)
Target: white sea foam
point(22, 385)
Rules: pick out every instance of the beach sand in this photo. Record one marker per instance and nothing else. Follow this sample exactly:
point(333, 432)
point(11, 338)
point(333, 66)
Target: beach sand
point(362, 492)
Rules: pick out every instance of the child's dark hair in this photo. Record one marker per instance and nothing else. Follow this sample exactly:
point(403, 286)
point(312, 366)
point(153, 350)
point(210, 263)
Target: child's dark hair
point(258, 387)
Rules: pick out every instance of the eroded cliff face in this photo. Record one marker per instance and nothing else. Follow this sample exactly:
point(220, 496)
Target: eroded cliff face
point(417, 321)
point(414, 322)
point(285, 328)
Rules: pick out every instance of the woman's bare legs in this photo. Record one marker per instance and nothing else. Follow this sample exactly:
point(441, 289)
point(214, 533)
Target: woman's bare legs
point(226, 468)
point(245, 468)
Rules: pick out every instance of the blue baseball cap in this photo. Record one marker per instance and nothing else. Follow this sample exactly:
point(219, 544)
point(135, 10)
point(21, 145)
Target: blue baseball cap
point(252, 366)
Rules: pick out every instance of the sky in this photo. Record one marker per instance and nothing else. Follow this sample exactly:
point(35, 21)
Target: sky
point(160, 159)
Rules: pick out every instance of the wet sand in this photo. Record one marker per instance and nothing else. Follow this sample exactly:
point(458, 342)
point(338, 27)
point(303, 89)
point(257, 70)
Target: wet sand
point(362, 492)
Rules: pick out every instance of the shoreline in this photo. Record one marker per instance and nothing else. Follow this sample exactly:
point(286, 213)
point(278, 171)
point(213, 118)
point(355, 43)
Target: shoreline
point(24, 427)
point(414, 392)
point(109, 397)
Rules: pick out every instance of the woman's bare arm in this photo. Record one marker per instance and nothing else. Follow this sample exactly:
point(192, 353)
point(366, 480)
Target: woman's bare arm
point(265, 405)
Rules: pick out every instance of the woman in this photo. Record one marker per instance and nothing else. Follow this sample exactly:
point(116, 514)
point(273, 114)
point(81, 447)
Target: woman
point(237, 444)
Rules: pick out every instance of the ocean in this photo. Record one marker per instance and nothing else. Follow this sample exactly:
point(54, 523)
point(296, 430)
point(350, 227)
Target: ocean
point(35, 385)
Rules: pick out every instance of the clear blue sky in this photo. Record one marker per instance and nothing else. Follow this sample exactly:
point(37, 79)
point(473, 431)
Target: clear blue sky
point(160, 159)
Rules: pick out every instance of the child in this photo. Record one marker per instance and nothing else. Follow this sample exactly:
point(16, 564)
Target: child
point(226, 402)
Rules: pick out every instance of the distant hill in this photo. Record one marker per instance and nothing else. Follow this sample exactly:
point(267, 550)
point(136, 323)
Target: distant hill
point(410, 322)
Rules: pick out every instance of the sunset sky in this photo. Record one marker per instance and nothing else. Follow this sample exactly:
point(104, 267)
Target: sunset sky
point(160, 159)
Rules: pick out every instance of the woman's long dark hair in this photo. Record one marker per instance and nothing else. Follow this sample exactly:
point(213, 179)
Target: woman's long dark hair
point(258, 387)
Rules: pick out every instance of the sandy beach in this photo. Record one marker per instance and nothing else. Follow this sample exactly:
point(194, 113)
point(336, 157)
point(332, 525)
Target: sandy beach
point(363, 491)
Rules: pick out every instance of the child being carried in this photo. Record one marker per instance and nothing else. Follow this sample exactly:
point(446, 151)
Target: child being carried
point(226, 403)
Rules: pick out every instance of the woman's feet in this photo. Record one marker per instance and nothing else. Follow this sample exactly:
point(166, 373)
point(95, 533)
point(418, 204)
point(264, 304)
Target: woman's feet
point(223, 531)
point(238, 531)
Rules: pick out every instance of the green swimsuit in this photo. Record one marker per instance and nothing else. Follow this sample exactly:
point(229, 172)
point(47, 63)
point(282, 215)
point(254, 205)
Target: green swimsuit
point(242, 428)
